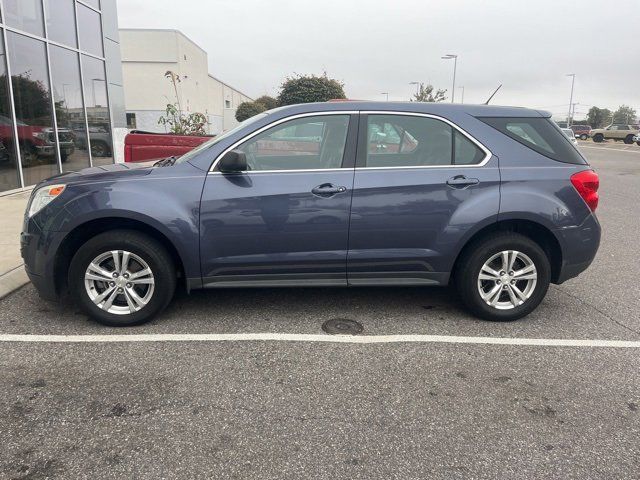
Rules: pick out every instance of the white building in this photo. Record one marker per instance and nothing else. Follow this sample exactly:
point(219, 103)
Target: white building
point(147, 55)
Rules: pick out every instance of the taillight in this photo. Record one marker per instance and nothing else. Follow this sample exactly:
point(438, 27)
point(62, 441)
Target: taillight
point(586, 183)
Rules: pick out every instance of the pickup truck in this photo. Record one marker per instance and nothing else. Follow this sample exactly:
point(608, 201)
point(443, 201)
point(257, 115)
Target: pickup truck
point(614, 132)
point(142, 146)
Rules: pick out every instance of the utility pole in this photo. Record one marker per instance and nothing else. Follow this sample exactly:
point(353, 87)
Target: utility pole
point(417, 84)
point(450, 56)
point(387, 94)
point(573, 80)
point(462, 101)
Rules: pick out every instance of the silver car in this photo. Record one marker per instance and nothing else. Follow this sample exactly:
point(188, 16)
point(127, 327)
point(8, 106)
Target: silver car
point(570, 135)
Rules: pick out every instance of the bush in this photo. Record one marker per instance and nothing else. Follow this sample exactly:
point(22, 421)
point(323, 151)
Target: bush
point(248, 109)
point(267, 101)
point(310, 88)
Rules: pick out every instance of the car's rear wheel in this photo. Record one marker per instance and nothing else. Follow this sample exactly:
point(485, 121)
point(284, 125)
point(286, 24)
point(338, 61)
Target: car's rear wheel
point(503, 277)
point(584, 136)
point(598, 137)
point(628, 139)
point(122, 278)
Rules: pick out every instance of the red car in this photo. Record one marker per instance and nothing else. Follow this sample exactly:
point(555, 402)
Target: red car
point(144, 146)
point(581, 131)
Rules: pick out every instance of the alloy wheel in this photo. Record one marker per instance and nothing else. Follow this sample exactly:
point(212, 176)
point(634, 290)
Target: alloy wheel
point(507, 280)
point(119, 282)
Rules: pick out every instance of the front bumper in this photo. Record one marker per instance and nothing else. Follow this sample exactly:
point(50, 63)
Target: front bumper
point(38, 252)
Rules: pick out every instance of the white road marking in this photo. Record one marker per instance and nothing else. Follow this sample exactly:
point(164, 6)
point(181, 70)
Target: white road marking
point(316, 338)
point(622, 150)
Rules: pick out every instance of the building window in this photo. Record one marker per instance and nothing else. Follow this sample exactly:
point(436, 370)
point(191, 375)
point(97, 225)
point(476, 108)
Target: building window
point(32, 99)
point(67, 93)
point(227, 104)
point(90, 31)
point(9, 176)
point(25, 15)
point(131, 121)
point(61, 22)
point(98, 118)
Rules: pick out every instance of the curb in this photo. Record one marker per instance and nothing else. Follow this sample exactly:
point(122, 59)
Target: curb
point(13, 280)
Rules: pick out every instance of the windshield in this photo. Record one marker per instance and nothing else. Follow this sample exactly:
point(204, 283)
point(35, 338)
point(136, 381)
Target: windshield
point(213, 141)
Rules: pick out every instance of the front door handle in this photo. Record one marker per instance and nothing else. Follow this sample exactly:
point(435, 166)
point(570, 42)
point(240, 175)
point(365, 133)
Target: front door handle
point(460, 181)
point(327, 190)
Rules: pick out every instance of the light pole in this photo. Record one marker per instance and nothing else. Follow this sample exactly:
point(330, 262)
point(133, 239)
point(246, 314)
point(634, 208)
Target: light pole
point(450, 56)
point(417, 84)
point(462, 100)
point(387, 94)
point(573, 80)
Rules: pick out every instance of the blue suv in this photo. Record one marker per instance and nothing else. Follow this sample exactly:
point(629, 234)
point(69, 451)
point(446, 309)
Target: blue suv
point(494, 200)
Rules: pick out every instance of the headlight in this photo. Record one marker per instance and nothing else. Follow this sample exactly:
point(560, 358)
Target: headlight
point(43, 197)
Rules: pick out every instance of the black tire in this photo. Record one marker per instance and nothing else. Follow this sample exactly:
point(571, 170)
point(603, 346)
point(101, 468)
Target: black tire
point(598, 137)
point(629, 140)
point(584, 136)
point(149, 250)
point(474, 257)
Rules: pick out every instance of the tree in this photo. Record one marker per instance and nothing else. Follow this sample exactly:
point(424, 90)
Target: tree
point(181, 124)
point(309, 88)
point(425, 94)
point(249, 109)
point(624, 115)
point(599, 117)
point(267, 101)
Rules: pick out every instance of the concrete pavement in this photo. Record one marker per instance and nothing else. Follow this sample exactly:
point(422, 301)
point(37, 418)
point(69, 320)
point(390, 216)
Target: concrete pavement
point(12, 274)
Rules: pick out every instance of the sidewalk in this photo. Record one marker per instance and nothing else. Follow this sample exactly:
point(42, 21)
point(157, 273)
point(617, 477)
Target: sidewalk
point(12, 274)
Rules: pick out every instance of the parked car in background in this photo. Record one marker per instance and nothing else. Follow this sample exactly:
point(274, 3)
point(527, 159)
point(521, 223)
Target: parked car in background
point(581, 131)
point(246, 209)
point(100, 140)
point(36, 141)
point(614, 132)
point(570, 135)
point(140, 146)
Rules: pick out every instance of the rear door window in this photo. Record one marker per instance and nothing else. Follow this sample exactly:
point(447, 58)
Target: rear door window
point(539, 134)
point(416, 141)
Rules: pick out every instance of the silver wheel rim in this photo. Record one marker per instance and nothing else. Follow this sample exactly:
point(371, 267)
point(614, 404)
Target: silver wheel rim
point(119, 282)
point(507, 280)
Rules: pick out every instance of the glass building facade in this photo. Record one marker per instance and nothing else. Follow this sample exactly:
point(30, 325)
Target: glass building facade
point(60, 87)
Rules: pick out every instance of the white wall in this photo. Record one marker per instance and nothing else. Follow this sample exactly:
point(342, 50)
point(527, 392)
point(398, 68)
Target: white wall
point(147, 55)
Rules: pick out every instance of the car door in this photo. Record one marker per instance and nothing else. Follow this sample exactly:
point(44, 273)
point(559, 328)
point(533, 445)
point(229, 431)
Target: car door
point(414, 201)
point(285, 220)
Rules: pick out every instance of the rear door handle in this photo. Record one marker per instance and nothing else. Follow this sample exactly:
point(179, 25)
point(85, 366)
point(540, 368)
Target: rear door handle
point(327, 190)
point(460, 181)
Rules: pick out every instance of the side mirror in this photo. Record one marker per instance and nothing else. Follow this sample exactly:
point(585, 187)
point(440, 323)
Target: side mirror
point(233, 162)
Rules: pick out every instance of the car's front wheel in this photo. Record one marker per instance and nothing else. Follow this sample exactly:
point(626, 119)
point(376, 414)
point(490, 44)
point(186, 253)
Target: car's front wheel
point(598, 137)
point(503, 277)
point(122, 278)
point(584, 136)
point(628, 139)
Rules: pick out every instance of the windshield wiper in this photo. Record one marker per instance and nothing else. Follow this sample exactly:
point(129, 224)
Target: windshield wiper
point(166, 162)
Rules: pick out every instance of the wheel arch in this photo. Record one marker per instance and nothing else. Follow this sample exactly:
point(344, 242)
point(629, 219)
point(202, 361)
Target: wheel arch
point(531, 229)
point(83, 232)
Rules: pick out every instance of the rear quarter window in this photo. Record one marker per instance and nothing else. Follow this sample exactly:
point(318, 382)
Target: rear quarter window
point(538, 134)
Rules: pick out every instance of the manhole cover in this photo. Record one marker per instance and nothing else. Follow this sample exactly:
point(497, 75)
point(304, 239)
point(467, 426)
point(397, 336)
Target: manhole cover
point(342, 326)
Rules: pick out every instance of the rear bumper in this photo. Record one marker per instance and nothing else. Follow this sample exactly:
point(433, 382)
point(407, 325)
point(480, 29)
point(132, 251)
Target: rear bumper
point(579, 247)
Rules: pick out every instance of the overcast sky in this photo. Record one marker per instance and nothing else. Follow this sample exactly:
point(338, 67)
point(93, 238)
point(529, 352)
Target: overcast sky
point(376, 46)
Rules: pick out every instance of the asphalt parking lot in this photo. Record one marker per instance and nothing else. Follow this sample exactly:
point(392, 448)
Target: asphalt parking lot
point(290, 408)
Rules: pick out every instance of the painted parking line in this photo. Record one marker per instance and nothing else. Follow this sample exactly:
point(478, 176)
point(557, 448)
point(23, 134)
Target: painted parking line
point(317, 338)
point(622, 150)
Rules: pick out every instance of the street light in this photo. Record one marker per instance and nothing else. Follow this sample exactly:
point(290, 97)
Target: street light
point(450, 56)
point(462, 101)
point(417, 84)
point(385, 93)
point(573, 80)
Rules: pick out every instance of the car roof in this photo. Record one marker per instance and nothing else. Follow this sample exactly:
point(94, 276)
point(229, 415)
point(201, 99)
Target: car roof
point(417, 107)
